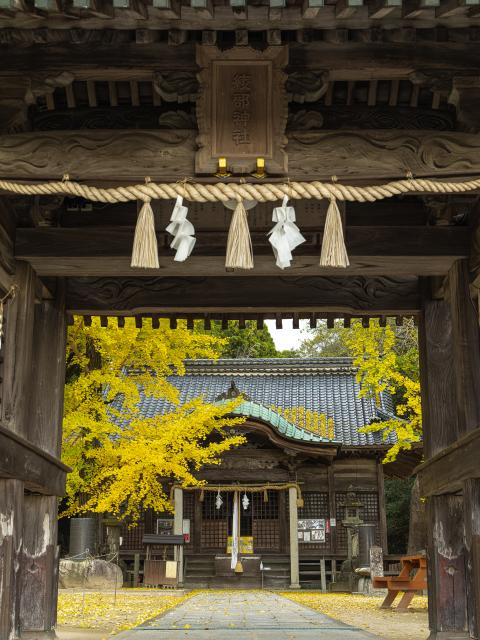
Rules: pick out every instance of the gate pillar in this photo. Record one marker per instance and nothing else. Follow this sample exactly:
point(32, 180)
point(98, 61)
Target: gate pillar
point(40, 554)
point(11, 520)
point(450, 375)
point(471, 497)
point(32, 408)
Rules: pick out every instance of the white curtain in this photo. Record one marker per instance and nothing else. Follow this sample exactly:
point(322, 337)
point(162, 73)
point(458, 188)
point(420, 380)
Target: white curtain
point(235, 531)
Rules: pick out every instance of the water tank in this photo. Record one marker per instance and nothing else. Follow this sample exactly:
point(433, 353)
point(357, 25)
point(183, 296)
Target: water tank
point(82, 537)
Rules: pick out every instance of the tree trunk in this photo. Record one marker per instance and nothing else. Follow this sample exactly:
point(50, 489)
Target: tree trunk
point(417, 540)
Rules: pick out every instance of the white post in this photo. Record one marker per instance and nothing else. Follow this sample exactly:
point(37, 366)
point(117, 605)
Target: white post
point(294, 573)
point(323, 575)
point(178, 529)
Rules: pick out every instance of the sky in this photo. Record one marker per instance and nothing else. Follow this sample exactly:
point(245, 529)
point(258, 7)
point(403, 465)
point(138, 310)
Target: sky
point(288, 337)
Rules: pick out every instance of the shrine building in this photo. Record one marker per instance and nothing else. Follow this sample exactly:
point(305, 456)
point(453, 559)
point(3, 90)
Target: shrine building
point(293, 483)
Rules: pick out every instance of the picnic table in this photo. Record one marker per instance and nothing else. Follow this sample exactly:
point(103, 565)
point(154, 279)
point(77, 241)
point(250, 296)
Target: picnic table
point(412, 578)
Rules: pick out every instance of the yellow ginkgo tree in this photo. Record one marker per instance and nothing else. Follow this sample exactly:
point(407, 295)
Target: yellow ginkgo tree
point(313, 421)
point(118, 456)
point(383, 366)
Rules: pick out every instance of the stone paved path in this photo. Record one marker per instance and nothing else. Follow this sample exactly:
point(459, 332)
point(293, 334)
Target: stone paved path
point(252, 615)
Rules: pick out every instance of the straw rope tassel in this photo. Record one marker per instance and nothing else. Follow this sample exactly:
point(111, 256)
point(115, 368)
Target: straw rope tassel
point(334, 251)
point(145, 247)
point(239, 243)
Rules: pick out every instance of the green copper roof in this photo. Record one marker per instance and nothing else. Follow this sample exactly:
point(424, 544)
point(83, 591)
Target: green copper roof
point(279, 423)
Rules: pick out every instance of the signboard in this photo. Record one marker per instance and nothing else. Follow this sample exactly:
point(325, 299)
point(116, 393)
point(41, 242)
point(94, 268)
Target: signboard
point(245, 545)
point(186, 530)
point(311, 531)
point(165, 526)
point(242, 109)
point(171, 569)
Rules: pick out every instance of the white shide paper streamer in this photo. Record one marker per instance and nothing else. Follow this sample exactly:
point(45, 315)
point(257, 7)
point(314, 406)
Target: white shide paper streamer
point(182, 230)
point(285, 235)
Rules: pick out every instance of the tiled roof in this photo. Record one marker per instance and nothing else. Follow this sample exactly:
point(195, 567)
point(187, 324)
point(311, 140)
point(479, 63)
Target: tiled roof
point(324, 385)
point(277, 421)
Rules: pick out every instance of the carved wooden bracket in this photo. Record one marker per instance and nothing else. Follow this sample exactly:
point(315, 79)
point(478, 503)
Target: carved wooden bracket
point(176, 86)
point(45, 210)
point(242, 108)
point(40, 85)
point(465, 95)
point(307, 86)
point(450, 210)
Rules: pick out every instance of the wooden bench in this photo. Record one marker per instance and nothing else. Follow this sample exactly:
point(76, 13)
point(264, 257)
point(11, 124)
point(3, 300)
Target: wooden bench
point(412, 578)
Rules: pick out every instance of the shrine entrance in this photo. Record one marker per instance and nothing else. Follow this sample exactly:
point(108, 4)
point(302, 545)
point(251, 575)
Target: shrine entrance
point(259, 522)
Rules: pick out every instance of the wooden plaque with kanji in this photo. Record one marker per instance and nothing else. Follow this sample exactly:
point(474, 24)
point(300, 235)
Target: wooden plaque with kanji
point(242, 109)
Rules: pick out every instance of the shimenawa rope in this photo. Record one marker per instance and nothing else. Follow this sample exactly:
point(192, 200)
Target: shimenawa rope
point(239, 247)
point(220, 192)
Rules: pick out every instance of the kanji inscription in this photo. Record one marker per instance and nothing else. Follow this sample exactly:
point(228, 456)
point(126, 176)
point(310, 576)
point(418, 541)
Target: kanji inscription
point(241, 105)
point(242, 109)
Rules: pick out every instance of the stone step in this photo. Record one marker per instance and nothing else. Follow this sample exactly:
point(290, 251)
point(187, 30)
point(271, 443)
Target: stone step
point(199, 574)
point(276, 583)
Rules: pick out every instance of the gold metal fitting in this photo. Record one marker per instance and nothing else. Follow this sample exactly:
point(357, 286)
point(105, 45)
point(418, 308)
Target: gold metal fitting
point(222, 169)
point(260, 172)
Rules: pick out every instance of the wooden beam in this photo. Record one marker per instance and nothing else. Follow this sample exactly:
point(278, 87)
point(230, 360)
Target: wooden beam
point(7, 232)
point(21, 460)
point(354, 60)
point(48, 373)
point(92, 8)
point(378, 9)
point(440, 421)
point(466, 353)
point(449, 8)
point(347, 8)
point(165, 10)
point(52, 13)
point(17, 352)
point(101, 155)
point(201, 10)
point(446, 471)
point(130, 9)
point(311, 8)
point(105, 251)
point(130, 296)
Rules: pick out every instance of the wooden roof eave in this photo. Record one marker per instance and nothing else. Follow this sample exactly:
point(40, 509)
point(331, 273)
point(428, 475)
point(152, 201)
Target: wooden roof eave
point(404, 466)
point(325, 450)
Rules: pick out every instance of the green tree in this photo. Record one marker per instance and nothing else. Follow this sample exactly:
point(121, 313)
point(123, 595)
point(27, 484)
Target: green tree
point(323, 342)
point(118, 457)
point(250, 342)
point(397, 500)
